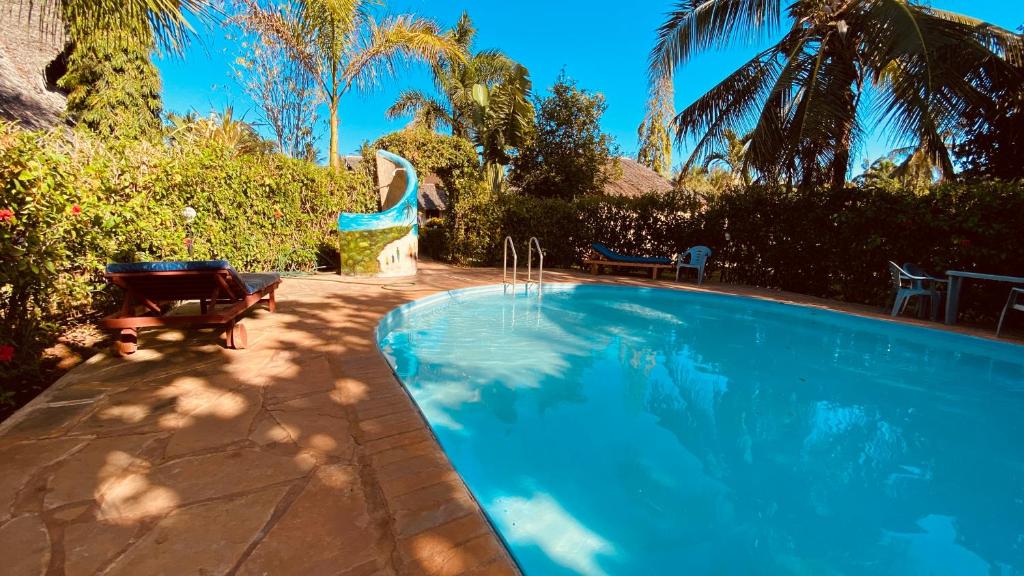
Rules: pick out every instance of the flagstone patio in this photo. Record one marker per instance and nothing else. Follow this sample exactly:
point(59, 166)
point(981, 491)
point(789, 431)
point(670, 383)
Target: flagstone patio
point(301, 455)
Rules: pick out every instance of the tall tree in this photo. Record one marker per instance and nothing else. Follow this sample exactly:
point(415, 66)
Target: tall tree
point(485, 99)
point(112, 84)
point(284, 91)
point(921, 70)
point(567, 155)
point(346, 46)
point(113, 87)
point(656, 131)
point(454, 81)
point(501, 120)
point(732, 157)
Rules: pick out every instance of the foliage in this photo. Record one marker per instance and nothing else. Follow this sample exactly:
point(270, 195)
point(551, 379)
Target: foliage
point(923, 70)
point(502, 120)
point(343, 45)
point(454, 80)
point(994, 136)
point(732, 157)
point(656, 130)
point(567, 156)
point(70, 204)
point(112, 85)
point(123, 22)
point(284, 91)
point(235, 135)
point(485, 99)
point(822, 242)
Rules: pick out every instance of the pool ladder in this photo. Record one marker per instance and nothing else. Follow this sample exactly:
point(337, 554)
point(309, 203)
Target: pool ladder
point(530, 280)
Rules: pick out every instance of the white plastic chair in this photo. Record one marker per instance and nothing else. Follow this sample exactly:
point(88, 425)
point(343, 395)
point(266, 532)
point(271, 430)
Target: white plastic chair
point(695, 258)
point(1015, 301)
point(910, 281)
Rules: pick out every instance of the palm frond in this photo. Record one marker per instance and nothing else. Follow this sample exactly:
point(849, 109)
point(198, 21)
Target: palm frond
point(698, 25)
point(732, 102)
point(426, 111)
point(167, 21)
point(397, 40)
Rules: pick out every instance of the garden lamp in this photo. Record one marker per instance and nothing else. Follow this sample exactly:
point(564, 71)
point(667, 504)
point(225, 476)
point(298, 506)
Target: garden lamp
point(189, 214)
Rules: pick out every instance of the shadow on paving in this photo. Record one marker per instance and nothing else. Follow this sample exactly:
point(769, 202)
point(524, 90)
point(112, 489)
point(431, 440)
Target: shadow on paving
point(299, 455)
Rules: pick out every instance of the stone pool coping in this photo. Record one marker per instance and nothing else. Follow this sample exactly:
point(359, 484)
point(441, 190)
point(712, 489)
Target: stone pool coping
point(300, 455)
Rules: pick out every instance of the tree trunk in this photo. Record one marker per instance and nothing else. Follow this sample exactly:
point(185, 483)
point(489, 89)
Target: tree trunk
point(839, 165)
point(334, 160)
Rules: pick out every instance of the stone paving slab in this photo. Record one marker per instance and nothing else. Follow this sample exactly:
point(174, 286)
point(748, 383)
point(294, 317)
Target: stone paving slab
point(300, 455)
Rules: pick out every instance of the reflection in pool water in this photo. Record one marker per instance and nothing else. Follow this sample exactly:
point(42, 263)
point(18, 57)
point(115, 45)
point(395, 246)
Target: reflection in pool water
point(614, 430)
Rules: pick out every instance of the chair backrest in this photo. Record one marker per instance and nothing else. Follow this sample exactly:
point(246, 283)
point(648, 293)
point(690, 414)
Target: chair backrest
point(698, 255)
point(907, 276)
point(897, 274)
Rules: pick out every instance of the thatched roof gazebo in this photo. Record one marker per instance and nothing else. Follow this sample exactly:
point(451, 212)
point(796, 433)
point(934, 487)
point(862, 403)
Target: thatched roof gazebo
point(30, 63)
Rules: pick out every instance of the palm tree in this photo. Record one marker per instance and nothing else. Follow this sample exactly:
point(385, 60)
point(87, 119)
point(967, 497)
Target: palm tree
point(345, 46)
point(502, 119)
point(224, 129)
point(485, 99)
point(162, 21)
point(732, 156)
point(454, 81)
point(913, 69)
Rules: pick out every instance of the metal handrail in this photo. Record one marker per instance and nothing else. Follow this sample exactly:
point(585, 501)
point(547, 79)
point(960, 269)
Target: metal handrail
point(515, 265)
point(529, 266)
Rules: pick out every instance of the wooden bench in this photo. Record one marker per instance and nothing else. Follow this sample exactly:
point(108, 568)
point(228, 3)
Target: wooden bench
point(596, 264)
point(223, 294)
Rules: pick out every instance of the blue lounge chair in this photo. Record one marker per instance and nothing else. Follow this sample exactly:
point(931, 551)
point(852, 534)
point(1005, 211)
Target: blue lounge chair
point(605, 256)
point(695, 258)
point(223, 294)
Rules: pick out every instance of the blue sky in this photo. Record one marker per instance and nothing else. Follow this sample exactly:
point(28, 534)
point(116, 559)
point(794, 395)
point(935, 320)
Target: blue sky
point(602, 45)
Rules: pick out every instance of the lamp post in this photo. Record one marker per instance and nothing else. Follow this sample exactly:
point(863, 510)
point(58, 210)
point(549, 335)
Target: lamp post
point(189, 214)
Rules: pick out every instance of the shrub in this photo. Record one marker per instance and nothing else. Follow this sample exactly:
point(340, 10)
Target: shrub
point(834, 244)
point(75, 203)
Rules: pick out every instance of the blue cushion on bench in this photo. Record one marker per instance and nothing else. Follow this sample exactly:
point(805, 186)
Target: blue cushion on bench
point(167, 266)
point(252, 282)
point(614, 256)
point(256, 281)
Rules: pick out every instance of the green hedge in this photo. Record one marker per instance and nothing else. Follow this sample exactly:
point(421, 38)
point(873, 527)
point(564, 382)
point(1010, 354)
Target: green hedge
point(834, 244)
point(71, 203)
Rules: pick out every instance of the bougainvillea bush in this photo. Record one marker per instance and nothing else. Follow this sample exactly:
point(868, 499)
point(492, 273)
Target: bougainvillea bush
point(70, 203)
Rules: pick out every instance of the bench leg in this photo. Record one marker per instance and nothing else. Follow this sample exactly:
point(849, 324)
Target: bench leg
point(654, 273)
point(272, 303)
point(237, 337)
point(595, 269)
point(128, 342)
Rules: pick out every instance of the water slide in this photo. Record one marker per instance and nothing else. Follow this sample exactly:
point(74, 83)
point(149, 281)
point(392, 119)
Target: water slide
point(385, 243)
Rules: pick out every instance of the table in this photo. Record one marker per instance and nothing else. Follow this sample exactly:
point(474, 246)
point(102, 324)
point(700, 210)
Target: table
point(956, 278)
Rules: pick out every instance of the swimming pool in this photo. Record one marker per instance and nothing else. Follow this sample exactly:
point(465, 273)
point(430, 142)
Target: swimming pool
point(619, 430)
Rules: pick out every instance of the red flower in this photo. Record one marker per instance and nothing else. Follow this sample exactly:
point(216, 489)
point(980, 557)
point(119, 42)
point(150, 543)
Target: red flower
point(76, 209)
point(6, 215)
point(278, 214)
point(6, 353)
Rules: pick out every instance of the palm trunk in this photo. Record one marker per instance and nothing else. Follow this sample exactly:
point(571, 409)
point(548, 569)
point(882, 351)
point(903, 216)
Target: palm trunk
point(334, 160)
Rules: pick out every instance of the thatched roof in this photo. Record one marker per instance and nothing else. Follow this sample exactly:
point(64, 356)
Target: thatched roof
point(26, 48)
point(636, 179)
point(432, 195)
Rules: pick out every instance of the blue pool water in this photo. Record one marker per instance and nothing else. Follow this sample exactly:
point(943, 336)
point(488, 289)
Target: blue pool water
point(615, 430)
